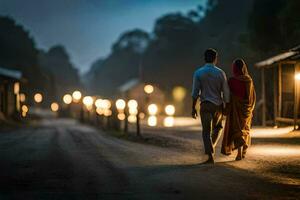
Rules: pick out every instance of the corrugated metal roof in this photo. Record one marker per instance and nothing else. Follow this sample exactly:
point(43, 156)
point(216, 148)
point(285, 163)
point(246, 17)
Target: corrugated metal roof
point(280, 57)
point(14, 74)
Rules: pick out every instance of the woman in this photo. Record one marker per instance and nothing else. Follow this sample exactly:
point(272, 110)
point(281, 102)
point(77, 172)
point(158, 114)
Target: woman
point(240, 109)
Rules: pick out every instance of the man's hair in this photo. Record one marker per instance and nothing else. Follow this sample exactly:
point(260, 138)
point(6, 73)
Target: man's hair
point(210, 55)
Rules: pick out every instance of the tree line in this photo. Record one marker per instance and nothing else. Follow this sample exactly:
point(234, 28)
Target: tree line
point(48, 72)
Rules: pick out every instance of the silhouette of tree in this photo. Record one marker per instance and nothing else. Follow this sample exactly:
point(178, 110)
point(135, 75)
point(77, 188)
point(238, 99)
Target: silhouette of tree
point(57, 62)
point(136, 40)
point(121, 65)
point(17, 51)
point(274, 24)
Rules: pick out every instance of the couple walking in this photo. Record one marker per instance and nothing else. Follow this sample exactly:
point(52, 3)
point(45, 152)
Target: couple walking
point(234, 98)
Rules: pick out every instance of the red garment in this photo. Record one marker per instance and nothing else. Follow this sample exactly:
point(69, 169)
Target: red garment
point(237, 87)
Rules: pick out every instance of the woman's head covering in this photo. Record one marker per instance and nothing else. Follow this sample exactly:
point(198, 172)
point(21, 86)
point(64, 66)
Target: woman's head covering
point(239, 68)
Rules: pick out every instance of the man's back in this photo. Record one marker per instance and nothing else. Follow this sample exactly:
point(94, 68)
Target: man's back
point(211, 84)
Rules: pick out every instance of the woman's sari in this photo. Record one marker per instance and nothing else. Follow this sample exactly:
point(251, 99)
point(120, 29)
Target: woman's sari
point(239, 118)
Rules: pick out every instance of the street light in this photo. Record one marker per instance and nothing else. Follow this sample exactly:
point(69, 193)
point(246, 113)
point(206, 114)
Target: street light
point(132, 119)
point(54, 107)
point(169, 121)
point(152, 109)
point(98, 103)
point(149, 89)
point(25, 108)
point(106, 104)
point(152, 121)
point(38, 97)
point(121, 116)
point(120, 104)
point(132, 103)
point(107, 112)
point(67, 98)
point(22, 97)
point(76, 96)
point(170, 110)
point(88, 101)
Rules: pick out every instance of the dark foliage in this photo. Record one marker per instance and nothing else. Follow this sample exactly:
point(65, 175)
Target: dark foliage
point(17, 51)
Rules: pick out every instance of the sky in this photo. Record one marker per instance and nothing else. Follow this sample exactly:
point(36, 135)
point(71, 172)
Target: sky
point(87, 28)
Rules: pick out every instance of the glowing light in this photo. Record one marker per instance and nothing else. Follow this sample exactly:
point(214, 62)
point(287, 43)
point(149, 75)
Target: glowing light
point(16, 87)
point(271, 132)
point(275, 150)
point(88, 101)
point(99, 111)
point(25, 108)
point(132, 103)
point(169, 122)
point(132, 119)
point(22, 97)
point(54, 107)
point(133, 111)
point(107, 112)
point(297, 76)
point(152, 109)
point(120, 104)
point(142, 115)
point(38, 97)
point(170, 110)
point(76, 96)
point(152, 121)
point(99, 103)
point(179, 93)
point(24, 114)
point(67, 98)
point(149, 89)
point(106, 104)
point(121, 116)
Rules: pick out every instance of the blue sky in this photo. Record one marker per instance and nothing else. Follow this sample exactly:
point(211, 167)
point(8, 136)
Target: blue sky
point(87, 28)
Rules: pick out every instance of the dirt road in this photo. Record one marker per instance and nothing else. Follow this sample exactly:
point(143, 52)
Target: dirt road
point(61, 159)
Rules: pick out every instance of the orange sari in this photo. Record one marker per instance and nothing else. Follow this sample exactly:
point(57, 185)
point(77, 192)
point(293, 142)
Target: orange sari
point(239, 118)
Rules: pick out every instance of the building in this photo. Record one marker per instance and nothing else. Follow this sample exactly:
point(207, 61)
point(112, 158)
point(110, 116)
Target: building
point(9, 93)
point(280, 87)
point(135, 89)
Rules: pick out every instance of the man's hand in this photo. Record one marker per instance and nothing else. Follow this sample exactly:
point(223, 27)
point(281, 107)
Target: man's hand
point(194, 113)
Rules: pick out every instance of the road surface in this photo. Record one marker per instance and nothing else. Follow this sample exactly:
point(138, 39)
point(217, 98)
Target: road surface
point(61, 159)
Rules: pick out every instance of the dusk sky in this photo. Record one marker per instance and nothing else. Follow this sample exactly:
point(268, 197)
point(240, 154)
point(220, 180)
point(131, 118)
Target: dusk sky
point(87, 28)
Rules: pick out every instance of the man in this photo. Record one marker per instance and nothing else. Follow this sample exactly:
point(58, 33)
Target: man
point(210, 84)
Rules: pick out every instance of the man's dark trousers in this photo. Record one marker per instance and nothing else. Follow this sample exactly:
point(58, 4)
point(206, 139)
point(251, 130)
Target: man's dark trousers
point(211, 119)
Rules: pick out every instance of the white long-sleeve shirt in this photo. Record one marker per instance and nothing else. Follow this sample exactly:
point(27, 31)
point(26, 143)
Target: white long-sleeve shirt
point(210, 84)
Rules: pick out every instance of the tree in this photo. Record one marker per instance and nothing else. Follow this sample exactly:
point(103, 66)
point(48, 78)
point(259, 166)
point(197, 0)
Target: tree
point(57, 62)
point(18, 51)
point(135, 40)
point(121, 65)
point(290, 23)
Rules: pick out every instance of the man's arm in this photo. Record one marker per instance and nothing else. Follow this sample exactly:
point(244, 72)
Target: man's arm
point(194, 111)
point(195, 94)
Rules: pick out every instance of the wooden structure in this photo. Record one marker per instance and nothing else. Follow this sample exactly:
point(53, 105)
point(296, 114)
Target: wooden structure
point(285, 85)
point(9, 92)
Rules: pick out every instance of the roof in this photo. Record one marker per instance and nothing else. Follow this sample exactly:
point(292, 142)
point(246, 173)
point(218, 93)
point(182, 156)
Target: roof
point(129, 85)
point(13, 74)
point(291, 54)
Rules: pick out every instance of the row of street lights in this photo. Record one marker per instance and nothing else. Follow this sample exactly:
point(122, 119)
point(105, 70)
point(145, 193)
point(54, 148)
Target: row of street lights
point(120, 110)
